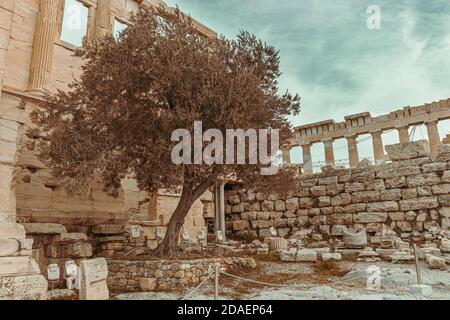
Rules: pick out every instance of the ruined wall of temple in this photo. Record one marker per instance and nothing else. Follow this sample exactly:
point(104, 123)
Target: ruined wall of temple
point(409, 196)
point(33, 59)
point(39, 196)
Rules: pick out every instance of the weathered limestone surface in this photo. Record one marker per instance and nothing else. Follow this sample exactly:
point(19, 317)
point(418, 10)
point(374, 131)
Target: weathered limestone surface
point(435, 262)
point(415, 149)
point(11, 266)
point(44, 228)
point(29, 287)
point(20, 276)
point(278, 243)
point(94, 274)
point(354, 238)
point(409, 196)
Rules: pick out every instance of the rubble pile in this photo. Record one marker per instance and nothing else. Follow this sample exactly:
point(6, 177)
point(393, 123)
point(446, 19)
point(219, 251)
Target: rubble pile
point(368, 213)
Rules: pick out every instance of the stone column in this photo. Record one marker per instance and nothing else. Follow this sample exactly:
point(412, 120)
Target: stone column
point(20, 276)
point(307, 160)
point(329, 152)
point(44, 39)
point(433, 136)
point(7, 9)
point(352, 151)
point(219, 197)
point(103, 18)
point(403, 134)
point(378, 149)
point(286, 152)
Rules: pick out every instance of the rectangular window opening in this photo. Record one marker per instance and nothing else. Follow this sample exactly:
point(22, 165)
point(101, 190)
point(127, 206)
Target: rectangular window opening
point(119, 27)
point(75, 22)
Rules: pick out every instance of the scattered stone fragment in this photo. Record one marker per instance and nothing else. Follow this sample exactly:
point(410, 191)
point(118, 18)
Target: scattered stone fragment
point(385, 253)
point(355, 238)
point(278, 243)
point(306, 255)
point(423, 252)
point(336, 256)
point(368, 255)
point(61, 294)
point(411, 150)
point(288, 255)
point(435, 262)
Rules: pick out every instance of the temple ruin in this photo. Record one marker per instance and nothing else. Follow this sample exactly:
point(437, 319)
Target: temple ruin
point(34, 57)
point(363, 123)
point(42, 225)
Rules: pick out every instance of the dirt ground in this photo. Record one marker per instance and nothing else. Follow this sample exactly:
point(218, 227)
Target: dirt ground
point(318, 281)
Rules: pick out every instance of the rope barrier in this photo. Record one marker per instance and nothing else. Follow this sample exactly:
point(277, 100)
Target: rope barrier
point(433, 255)
point(306, 286)
point(261, 282)
point(293, 285)
point(198, 287)
point(301, 286)
point(401, 257)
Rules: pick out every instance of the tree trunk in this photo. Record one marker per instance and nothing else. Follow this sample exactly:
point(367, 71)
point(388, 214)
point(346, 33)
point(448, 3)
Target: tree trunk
point(170, 242)
point(188, 196)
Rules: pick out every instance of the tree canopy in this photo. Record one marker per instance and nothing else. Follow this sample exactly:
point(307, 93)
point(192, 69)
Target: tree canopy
point(161, 74)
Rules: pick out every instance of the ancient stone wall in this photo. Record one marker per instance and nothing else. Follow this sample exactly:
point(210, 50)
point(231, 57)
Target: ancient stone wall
point(409, 196)
point(39, 197)
point(20, 276)
point(33, 58)
point(131, 276)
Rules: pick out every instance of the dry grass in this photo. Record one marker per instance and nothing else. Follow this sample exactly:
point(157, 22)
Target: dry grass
point(323, 270)
point(268, 272)
point(330, 268)
point(270, 257)
point(245, 237)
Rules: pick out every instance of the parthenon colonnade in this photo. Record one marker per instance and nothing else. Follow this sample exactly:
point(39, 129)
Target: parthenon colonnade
point(326, 132)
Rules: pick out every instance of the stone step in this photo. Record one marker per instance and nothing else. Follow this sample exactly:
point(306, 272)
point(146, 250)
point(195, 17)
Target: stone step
point(11, 230)
point(44, 228)
point(70, 237)
point(10, 266)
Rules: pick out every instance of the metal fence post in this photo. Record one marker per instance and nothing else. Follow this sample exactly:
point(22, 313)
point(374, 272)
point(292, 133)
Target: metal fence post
point(416, 258)
point(216, 282)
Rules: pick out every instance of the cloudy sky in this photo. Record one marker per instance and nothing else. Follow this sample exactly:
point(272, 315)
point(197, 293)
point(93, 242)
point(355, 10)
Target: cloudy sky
point(339, 65)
